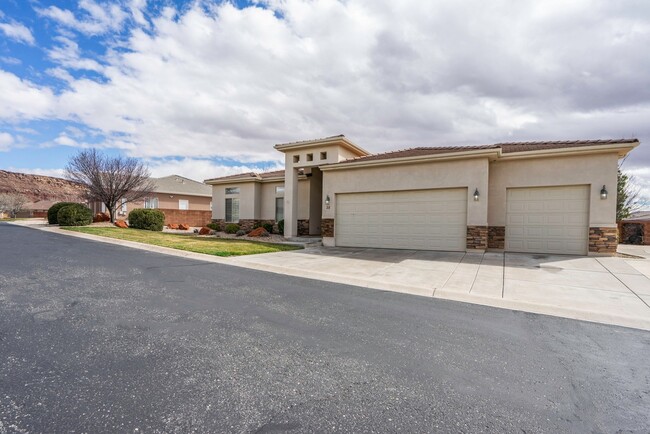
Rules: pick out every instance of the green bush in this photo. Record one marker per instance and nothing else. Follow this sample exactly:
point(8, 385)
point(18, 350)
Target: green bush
point(232, 228)
point(281, 227)
point(214, 226)
point(241, 233)
point(74, 215)
point(53, 212)
point(147, 219)
point(268, 227)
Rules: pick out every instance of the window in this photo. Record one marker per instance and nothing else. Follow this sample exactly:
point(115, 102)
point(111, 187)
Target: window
point(183, 204)
point(232, 210)
point(232, 190)
point(279, 190)
point(323, 155)
point(210, 205)
point(279, 208)
point(296, 158)
point(123, 209)
point(310, 157)
point(151, 202)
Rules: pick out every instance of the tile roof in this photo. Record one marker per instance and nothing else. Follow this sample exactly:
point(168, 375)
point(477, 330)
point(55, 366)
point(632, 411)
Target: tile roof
point(180, 185)
point(506, 148)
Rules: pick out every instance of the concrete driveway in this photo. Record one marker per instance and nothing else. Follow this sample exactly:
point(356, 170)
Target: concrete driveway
point(611, 290)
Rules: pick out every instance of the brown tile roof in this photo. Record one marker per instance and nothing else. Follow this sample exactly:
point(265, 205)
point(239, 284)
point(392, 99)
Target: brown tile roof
point(237, 176)
point(273, 174)
point(249, 176)
point(312, 140)
point(506, 148)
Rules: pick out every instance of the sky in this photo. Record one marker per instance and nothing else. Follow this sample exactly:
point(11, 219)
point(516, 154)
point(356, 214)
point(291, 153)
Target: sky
point(206, 88)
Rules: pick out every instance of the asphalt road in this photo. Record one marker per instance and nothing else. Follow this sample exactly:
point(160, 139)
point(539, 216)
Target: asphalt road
point(100, 338)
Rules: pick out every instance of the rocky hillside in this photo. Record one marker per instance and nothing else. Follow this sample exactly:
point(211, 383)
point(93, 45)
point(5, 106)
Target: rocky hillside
point(38, 187)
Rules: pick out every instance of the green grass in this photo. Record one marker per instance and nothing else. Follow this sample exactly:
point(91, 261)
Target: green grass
point(191, 243)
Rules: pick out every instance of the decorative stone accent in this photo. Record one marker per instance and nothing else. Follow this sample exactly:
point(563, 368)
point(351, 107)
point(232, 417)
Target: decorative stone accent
point(246, 224)
point(602, 240)
point(646, 233)
point(303, 227)
point(497, 237)
point(327, 227)
point(477, 237)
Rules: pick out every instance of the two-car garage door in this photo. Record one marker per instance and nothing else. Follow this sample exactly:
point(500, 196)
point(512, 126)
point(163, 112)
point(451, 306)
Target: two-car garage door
point(414, 219)
point(548, 220)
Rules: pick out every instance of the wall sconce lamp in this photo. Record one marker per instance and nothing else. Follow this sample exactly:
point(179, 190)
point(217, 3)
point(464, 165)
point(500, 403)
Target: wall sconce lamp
point(476, 195)
point(603, 193)
point(327, 200)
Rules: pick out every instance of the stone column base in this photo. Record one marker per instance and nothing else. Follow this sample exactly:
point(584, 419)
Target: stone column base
point(303, 227)
point(327, 228)
point(496, 237)
point(477, 237)
point(603, 240)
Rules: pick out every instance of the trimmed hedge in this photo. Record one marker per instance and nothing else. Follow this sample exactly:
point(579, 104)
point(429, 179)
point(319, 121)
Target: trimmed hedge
point(232, 228)
point(53, 212)
point(147, 219)
point(74, 215)
point(281, 227)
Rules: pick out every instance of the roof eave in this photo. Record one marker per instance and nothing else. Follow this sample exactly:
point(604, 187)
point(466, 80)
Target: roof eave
point(477, 153)
point(622, 149)
point(340, 140)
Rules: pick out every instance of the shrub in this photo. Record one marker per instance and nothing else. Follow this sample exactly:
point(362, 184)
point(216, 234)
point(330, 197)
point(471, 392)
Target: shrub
point(74, 215)
point(53, 212)
point(281, 227)
point(214, 226)
point(257, 225)
point(241, 233)
point(232, 228)
point(147, 219)
point(268, 227)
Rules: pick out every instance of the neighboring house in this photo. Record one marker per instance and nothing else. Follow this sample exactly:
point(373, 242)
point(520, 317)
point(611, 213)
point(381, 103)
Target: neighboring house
point(172, 192)
point(539, 197)
point(36, 209)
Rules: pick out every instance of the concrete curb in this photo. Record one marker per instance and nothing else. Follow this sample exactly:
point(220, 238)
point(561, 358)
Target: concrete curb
point(642, 323)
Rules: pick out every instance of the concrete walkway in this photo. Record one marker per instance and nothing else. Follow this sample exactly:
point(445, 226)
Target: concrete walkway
point(610, 290)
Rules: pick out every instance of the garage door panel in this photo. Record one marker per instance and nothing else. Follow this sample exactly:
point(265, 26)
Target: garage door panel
point(547, 219)
point(423, 219)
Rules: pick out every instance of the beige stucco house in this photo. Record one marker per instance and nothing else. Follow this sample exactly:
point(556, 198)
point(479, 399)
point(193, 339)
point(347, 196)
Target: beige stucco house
point(538, 197)
point(172, 192)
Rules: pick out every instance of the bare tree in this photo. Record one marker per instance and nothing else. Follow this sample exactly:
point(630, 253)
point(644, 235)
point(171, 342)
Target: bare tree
point(110, 180)
point(627, 195)
point(12, 203)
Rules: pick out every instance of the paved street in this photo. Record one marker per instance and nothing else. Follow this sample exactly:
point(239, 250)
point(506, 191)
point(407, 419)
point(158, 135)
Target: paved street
point(102, 338)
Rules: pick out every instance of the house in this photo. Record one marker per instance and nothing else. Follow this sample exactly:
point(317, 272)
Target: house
point(538, 197)
point(36, 209)
point(171, 193)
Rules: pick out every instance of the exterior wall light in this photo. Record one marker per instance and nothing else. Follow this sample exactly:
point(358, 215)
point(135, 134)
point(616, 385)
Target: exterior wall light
point(603, 193)
point(476, 195)
point(327, 200)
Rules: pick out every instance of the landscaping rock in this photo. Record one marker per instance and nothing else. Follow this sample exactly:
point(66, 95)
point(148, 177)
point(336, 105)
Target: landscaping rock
point(101, 217)
point(205, 231)
point(121, 224)
point(259, 232)
point(184, 227)
point(172, 226)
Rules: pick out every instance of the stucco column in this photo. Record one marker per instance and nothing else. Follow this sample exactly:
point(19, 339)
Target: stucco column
point(290, 202)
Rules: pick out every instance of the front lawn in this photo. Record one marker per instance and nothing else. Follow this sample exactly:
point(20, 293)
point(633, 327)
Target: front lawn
point(190, 243)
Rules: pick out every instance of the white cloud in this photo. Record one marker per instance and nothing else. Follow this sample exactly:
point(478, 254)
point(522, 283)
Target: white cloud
point(24, 100)
point(6, 140)
point(94, 18)
point(57, 173)
point(18, 32)
point(67, 54)
point(216, 81)
point(202, 169)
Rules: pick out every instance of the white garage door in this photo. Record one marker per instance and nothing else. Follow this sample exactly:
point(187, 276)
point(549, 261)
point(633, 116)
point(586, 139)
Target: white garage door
point(419, 219)
point(548, 220)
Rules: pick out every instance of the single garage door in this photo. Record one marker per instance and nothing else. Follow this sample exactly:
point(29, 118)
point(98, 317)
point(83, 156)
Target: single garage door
point(417, 219)
point(548, 220)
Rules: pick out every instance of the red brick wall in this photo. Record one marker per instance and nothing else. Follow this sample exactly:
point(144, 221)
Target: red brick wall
point(190, 217)
point(646, 233)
